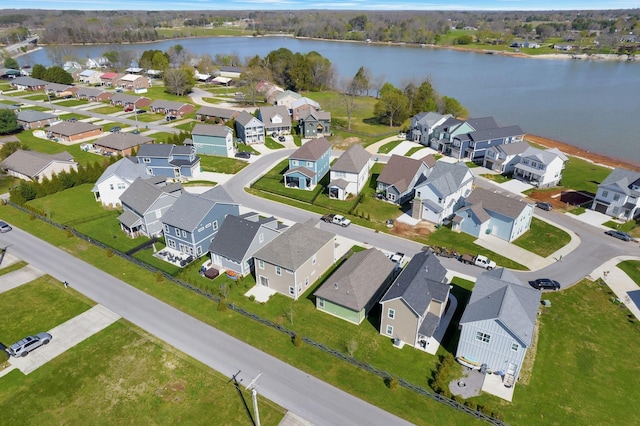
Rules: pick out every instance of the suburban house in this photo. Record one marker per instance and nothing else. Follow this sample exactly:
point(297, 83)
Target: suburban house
point(116, 179)
point(541, 168)
point(422, 126)
point(192, 221)
point(444, 135)
point(94, 94)
point(472, 146)
point(110, 79)
point(314, 123)
point(89, 77)
point(239, 237)
point(443, 192)
point(619, 195)
point(286, 99)
point(121, 143)
point(133, 82)
point(129, 101)
point(230, 72)
point(356, 286)
point(302, 106)
point(350, 173)
point(169, 160)
point(400, 176)
point(269, 90)
point(295, 259)
point(99, 62)
point(491, 213)
point(34, 165)
point(498, 324)
point(213, 140)
point(28, 83)
point(60, 90)
point(415, 303)
point(308, 164)
point(276, 119)
point(30, 119)
point(503, 158)
point(134, 70)
point(144, 202)
point(215, 114)
point(175, 109)
point(74, 131)
point(249, 129)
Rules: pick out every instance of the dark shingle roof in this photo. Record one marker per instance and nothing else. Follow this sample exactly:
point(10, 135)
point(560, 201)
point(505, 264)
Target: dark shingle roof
point(29, 116)
point(496, 133)
point(312, 150)
point(622, 180)
point(211, 130)
point(268, 113)
point(400, 171)
point(217, 112)
point(235, 236)
point(446, 178)
point(30, 163)
point(142, 193)
point(353, 160)
point(508, 205)
point(167, 105)
point(188, 211)
point(121, 140)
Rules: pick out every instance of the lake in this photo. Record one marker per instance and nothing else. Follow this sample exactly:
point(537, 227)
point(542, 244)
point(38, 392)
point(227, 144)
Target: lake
point(589, 104)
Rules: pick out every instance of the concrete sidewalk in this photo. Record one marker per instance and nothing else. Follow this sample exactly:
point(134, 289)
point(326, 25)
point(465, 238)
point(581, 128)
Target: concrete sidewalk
point(65, 336)
point(17, 278)
point(624, 287)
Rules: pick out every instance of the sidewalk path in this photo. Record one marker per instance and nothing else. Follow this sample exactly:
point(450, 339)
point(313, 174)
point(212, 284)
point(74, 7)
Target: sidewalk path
point(17, 278)
point(624, 287)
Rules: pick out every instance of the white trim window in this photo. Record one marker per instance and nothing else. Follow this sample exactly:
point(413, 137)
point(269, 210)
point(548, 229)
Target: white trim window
point(292, 291)
point(260, 263)
point(278, 270)
point(483, 337)
point(391, 313)
point(321, 303)
point(389, 330)
point(515, 347)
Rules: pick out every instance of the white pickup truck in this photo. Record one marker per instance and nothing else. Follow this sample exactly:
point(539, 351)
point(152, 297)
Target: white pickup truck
point(479, 260)
point(336, 219)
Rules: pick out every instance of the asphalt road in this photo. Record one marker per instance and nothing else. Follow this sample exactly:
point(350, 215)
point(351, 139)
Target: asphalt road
point(293, 389)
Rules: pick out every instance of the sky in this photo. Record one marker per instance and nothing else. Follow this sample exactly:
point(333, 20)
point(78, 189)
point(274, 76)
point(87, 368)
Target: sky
point(335, 5)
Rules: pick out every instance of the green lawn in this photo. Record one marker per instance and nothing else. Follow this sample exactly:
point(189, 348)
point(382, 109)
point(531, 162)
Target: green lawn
point(57, 206)
point(388, 147)
point(109, 126)
point(188, 126)
point(161, 137)
point(542, 238)
point(413, 150)
point(247, 148)
point(212, 163)
point(271, 144)
point(72, 115)
point(7, 182)
point(148, 117)
point(631, 268)
point(107, 109)
point(72, 102)
point(157, 93)
point(202, 32)
point(582, 175)
point(50, 147)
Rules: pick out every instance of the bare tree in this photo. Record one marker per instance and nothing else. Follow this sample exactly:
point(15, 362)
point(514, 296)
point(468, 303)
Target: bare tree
point(348, 98)
point(376, 84)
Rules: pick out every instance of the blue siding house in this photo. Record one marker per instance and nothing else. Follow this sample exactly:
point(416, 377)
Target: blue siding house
point(172, 161)
point(213, 140)
point(308, 164)
point(473, 145)
point(193, 220)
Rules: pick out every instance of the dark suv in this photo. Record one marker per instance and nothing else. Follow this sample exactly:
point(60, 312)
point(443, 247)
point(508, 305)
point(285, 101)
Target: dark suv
point(545, 284)
point(26, 345)
point(619, 235)
point(544, 206)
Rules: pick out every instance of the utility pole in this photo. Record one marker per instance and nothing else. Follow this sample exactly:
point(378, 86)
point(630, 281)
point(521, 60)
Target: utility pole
point(254, 396)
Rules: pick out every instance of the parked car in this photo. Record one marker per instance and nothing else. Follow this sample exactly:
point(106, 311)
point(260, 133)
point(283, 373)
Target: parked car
point(545, 284)
point(544, 206)
point(337, 219)
point(26, 345)
point(170, 117)
point(243, 154)
point(129, 108)
point(115, 129)
point(72, 120)
point(281, 138)
point(140, 111)
point(619, 235)
point(4, 227)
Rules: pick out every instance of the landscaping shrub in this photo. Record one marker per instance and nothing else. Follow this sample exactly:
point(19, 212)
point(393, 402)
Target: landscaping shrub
point(297, 340)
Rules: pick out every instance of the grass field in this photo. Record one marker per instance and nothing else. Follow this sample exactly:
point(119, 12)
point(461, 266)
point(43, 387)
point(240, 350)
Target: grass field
point(631, 268)
point(582, 175)
point(50, 147)
point(107, 109)
point(543, 238)
point(212, 163)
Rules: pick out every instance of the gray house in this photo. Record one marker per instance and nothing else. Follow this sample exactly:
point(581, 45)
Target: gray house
point(239, 237)
point(351, 291)
point(415, 302)
point(422, 126)
point(276, 119)
point(498, 323)
point(503, 158)
point(400, 176)
point(144, 203)
point(295, 259)
point(29, 119)
point(249, 129)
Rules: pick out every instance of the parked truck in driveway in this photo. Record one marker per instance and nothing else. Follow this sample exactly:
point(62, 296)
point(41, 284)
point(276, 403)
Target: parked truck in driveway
point(479, 260)
point(336, 219)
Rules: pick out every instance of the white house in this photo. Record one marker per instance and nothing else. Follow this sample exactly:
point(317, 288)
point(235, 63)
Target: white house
point(619, 195)
point(422, 126)
point(541, 168)
point(444, 192)
point(503, 158)
point(350, 173)
point(116, 179)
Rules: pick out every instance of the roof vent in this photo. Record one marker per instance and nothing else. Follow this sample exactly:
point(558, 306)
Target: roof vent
point(335, 285)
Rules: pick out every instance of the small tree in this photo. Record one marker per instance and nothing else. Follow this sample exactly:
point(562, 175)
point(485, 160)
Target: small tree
point(352, 346)
point(297, 340)
point(8, 124)
point(11, 63)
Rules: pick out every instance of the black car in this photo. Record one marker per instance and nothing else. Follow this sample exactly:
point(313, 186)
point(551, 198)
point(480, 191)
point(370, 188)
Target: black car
point(545, 284)
point(115, 129)
point(619, 235)
point(170, 117)
point(281, 139)
point(544, 206)
point(243, 154)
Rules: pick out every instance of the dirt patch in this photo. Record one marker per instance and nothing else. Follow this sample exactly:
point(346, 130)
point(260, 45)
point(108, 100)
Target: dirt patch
point(344, 143)
point(561, 198)
point(422, 229)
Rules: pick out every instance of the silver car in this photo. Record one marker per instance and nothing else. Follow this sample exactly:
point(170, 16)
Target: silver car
point(26, 345)
point(4, 227)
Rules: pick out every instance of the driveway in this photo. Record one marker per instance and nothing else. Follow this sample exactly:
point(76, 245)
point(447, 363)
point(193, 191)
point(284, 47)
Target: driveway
point(17, 278)
point(65, 336)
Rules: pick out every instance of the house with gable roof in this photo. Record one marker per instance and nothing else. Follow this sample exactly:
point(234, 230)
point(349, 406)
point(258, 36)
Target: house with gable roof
point(503, 158)
point(492, 213)
point(356, 286)
point(94, 94)
point(34, 165)
point(472, 146)
point(276, 120)
point(619, 195)
point(61, 90)
point(213, 139)
point(89, 76)
point(400, 176)
point(415, 303)
point(249, 129)
point(175, 109)
point(314, 123)
point(116, 179)
point(350, 173)
point(129, 101)
point(74, 131)
point(302, 106)
point(308, 164)
point(422, 126)
point(239, 237)
point(133, 82)
point(173, 161)
point(498, 324)
point(221, 115)
point(443, 192)
point(541, 168)
point(445, 134)
point(286, 98)
point(193, 220)
point(30, 119)
point(28, 83)
point(121, 143)
point(110, 79)
point(295, 259)
point(144, 203)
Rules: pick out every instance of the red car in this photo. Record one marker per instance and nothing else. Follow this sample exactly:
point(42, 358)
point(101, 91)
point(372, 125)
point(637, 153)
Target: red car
point(128, 109)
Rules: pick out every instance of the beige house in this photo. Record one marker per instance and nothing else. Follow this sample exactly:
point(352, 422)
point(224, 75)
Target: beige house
point(33, 165)
point(415, 302)
point(294, 260)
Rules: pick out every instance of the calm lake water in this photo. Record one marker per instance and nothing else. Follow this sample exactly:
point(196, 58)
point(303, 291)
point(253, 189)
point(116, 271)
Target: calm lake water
point(590, 104)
